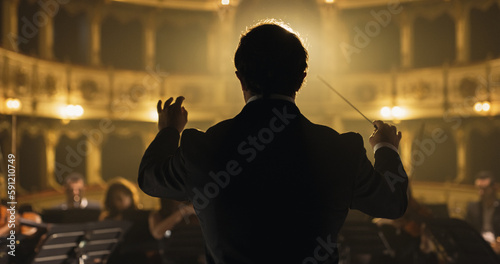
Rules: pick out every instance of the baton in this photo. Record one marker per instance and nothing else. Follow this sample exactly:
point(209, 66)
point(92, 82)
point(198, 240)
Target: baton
point(347, 101)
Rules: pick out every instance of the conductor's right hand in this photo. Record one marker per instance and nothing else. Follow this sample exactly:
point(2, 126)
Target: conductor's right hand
point(385, 133)
point(172, 115)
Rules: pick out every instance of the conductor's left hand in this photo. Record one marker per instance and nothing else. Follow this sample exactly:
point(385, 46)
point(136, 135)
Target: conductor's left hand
point(172, 115)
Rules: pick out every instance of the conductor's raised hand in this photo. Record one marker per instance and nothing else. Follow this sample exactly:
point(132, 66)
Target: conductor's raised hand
point(172, 115)
point(385, 133)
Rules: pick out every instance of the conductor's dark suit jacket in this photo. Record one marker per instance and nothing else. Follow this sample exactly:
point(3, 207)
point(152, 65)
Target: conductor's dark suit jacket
point(269, 186)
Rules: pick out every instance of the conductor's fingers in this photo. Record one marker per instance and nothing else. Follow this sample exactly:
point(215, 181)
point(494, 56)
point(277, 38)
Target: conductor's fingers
point(168, 102)
point(394, 129)
point(158, 106)
point(178, 101)
point(378, 124)
point(184, 111)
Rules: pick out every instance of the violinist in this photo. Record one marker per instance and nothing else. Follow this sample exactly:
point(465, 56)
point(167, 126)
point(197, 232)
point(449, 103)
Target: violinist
point(412, 240)
point(484, 215)
point(25, 227)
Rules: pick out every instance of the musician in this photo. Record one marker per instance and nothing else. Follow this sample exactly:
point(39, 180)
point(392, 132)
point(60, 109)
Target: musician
point(121, 197)
point(178, 232)
point(409, 236)
point(27, 229)
point(74, 188)
point(121, 203)
point(484, 215)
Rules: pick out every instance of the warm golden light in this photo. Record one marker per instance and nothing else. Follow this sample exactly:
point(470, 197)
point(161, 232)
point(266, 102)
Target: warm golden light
point(482, 107)
point(398, 112)
point(486, 106)
point(13, 104)
point(71, 111)
point(478, 107)
point(153, 115)
point(224, 2)
point(385, 111)
point(394, 112)
point(329, 1)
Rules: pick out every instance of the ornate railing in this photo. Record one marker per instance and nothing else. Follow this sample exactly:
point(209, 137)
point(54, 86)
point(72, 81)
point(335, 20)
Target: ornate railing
point(45, 87)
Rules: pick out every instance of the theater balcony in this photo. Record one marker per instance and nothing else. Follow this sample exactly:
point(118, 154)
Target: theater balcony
point(80, 81)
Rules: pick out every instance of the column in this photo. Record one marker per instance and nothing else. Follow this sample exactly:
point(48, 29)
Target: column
point(9, 24)
point(462, 32)
point(461, 138)
point(221, 46)
point(405, 149)
point(95, 36)
point(225, 42)
point(149, 41)
point(51, 139)
point(406, 39)
point(331, 33)
point(94, 162)
point(46, 45)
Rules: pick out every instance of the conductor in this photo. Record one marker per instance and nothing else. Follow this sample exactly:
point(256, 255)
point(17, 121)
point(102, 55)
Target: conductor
point(268, 185)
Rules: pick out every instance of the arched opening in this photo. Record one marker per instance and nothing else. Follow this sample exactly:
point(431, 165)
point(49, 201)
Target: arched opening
point(434, 41)
point(31, 162)
point(71, 37)
point(29, 22)
point(122, 44)
point(71, 156)
point(485, 33)
point(121, 157)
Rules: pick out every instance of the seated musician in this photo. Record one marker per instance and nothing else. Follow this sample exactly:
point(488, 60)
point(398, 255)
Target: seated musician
point(121, 203)
point(74, 188)
point(484, 215)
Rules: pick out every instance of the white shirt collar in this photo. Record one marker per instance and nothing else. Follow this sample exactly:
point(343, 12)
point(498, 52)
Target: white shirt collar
point(272, 96)
point(84, 203)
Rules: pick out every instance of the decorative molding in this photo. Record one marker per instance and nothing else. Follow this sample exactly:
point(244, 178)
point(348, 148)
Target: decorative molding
point(89, 89)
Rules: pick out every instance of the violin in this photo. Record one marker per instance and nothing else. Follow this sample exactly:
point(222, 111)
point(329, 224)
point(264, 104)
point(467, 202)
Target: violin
point(26, 223)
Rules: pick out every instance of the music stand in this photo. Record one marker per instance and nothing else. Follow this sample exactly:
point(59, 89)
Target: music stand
point(91, 242)
point(363, 239)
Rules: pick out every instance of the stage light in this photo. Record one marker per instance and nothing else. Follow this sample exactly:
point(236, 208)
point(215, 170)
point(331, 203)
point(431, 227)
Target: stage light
point(385, 111)
point(153, 115)
point(225, 2)
point(394, 112)
point(486, 106)
point(13, 104)
point(478, 107)
point(397, 112)
point(482, 106)
point(71, 111)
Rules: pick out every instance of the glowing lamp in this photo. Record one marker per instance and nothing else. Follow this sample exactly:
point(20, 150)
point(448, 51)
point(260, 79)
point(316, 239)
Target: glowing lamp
point(486, 106)
point(385, 111)
point(482, 107)
point(394, 112)
point(478, 107)
point(71, 111)
point(329, 1)
point(397, 111)
point(225, 2)
point(13, 104)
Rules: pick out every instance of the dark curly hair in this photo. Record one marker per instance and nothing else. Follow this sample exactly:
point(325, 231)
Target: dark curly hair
point(271, 58)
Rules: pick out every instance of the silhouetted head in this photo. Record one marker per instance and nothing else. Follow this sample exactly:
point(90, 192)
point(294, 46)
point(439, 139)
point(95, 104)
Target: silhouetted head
point(121, 196)
point(485, 182)
point(271, 59)
point(74, 187)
